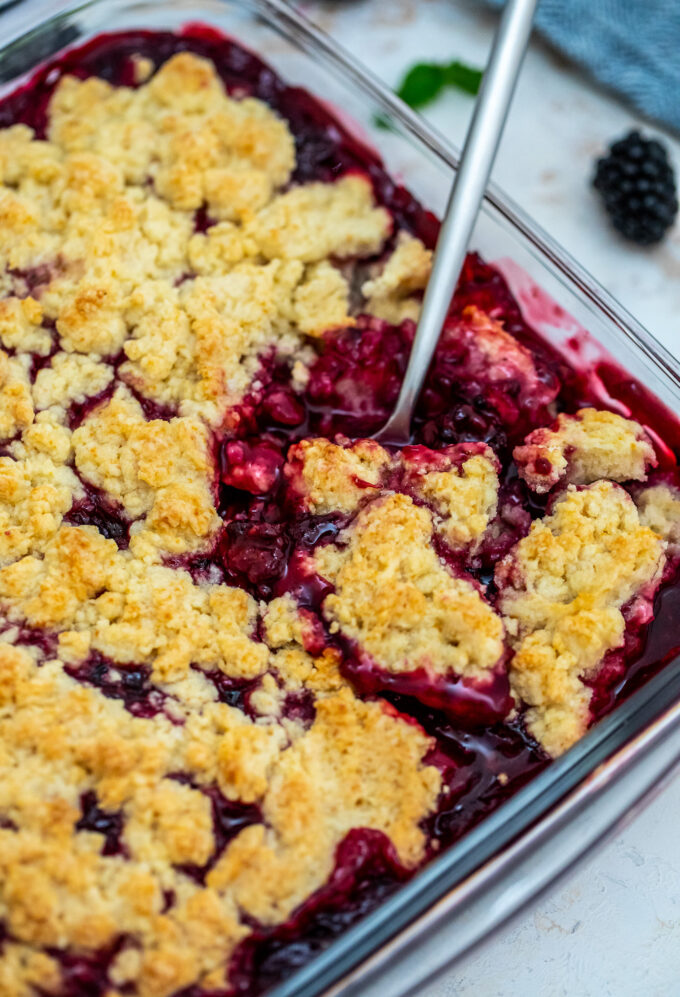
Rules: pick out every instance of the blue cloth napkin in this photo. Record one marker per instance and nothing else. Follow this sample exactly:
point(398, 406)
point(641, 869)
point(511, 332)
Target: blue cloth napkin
point(632, 46)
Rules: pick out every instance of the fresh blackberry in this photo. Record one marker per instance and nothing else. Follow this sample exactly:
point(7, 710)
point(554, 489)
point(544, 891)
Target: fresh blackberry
point(637, 183)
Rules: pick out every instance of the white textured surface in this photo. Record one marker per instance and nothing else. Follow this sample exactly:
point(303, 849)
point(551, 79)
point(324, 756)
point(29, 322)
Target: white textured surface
point(613, 929)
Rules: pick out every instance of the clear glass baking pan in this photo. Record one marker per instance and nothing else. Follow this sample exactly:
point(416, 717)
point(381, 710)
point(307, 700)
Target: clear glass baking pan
point(544, 829)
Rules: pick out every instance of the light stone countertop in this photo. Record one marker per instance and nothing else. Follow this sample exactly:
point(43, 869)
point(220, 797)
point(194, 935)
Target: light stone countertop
point(613, 928)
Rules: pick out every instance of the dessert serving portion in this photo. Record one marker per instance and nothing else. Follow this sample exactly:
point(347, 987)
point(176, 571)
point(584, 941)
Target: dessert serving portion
point(256, 668)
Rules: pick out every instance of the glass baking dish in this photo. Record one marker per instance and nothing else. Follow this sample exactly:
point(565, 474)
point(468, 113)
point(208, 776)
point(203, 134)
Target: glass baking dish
point(537, 835)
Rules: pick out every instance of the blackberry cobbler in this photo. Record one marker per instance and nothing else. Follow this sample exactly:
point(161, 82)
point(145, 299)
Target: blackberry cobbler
point(255, 668)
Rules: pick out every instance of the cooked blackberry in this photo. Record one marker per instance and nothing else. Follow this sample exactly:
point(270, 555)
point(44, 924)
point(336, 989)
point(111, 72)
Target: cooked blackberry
point(637, 183)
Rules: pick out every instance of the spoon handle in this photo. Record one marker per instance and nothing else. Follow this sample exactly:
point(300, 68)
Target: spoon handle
point(479, 152)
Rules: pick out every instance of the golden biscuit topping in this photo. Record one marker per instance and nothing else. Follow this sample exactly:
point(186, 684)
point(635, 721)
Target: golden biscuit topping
point(562, 589)
point(359, 765)
point(36, 490)
point(293, 634)
point(461, 486)
point(161, 470)
point(68, 378)
point(322, 300)
point(397, 600)
point(329, 477)
point(16, 404)
point(132, 611)
point(181, 129)
point(21, 323)
point(318, 220)
point(104, 208)
point(581, 449)
point(659, 508)
point(391, 293)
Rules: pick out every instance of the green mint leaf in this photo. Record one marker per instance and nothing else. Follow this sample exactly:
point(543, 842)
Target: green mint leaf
point(382, 121)
point(422, 84)
point(426, 80)
point(465, 78)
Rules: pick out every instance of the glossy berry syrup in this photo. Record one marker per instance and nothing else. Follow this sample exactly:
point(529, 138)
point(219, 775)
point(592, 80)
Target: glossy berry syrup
point(265, 539)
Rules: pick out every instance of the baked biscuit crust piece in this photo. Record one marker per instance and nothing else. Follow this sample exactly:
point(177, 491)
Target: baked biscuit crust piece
point(395, 598)
point(459, 483)
point(584, 447)
point(562, 591)
point(392, 293)
point(329, 477)
point(104, 210)
point(659, 508)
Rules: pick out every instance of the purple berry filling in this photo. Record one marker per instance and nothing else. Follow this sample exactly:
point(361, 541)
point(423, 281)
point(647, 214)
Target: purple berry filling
point(110, 824)
point(130, 683)
point(229, 817)
point(95, 508)
point(86, 975)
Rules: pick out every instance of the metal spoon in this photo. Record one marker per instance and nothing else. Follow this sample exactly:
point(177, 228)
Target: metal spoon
point(479, 152)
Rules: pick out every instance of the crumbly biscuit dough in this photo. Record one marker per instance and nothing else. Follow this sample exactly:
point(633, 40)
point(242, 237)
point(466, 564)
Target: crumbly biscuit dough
point(562, 589)
point(584, 447)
